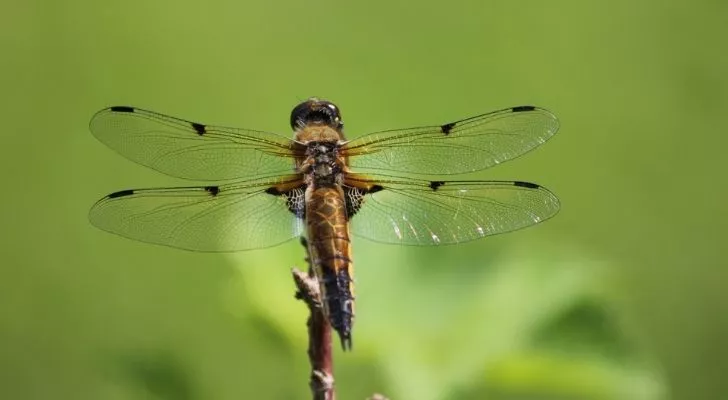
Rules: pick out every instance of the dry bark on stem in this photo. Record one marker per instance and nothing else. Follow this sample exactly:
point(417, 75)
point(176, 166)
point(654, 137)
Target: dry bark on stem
point(319, 334)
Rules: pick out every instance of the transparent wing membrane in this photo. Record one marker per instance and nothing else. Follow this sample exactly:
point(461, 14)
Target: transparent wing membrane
point(464, 146)
point(447, 212)
point(191, 150)
point(213, 218)
point(258, 200)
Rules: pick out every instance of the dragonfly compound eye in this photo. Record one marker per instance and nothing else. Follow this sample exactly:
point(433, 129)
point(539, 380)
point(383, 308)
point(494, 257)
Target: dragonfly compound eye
point(315, 111)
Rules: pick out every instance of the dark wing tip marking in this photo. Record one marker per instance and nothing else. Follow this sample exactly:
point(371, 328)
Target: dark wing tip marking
point(523, 108)
point(375, 188)
point(528, 185)
point(213, 190)
point(274, 191)
point(447, 128)
point(199, 128)
point(122, 109)
point(434, 185)
point(121, 193)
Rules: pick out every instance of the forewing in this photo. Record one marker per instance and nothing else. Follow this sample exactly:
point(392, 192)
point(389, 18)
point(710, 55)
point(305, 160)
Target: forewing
point(469, 145)
point(191, 150)
point(214, 218)
point(441, 212)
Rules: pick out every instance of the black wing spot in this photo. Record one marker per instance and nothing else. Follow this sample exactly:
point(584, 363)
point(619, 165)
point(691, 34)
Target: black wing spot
point(121, 193)
point(213, 190)
point(274, 191)
point(526, 185)
point(123, 109)
point(434, 185)
point(199, 128)
point(375, 188)
point(523, 108)
point(447, 128)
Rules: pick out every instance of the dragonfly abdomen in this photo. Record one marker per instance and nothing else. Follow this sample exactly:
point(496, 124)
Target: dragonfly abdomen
point(330, 250)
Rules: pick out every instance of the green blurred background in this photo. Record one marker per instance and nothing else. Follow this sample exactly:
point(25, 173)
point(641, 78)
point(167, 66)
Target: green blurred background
point(621, 296)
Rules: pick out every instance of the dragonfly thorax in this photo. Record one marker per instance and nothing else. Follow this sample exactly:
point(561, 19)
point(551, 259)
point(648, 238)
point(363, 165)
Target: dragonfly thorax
point(322, 163)
point(322, 152)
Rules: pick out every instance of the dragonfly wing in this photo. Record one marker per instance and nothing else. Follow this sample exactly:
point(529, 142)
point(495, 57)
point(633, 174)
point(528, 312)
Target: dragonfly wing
point(468, 145)
point(444, 212)
point(230, 217)
point(191, 150)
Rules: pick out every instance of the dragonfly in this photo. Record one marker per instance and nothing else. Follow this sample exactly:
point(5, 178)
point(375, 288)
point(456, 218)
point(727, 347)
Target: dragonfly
point(256, 189)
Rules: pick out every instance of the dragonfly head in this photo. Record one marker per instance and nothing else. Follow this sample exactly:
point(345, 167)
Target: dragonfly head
point(317, 112)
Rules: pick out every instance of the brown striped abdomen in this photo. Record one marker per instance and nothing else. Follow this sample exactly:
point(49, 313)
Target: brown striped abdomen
point(330, 250)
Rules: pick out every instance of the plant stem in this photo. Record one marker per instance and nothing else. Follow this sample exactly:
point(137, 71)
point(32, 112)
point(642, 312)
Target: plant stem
point(319, 333)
